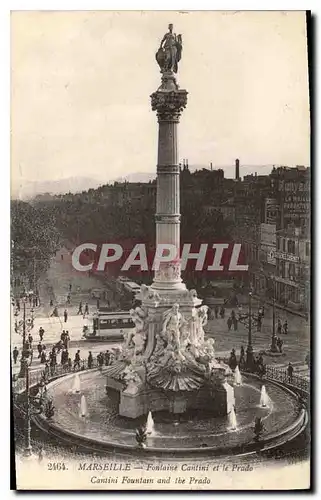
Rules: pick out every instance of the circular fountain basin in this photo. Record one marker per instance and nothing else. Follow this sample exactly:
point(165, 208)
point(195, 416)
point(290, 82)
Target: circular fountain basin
point(193, 431)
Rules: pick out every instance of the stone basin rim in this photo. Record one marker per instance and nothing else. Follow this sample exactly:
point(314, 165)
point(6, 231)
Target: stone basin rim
point(271, 441)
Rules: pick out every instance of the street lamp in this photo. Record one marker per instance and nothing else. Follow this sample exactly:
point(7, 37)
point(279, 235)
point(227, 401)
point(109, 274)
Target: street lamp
point(249, 350)
point(24, 326)
point(274, 347)
point(34, 406)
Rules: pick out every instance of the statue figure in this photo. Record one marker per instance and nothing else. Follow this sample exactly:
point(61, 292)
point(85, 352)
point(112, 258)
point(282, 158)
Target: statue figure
point(169, 52)
point(173, 321)
point(202, 321)
point(139, 336)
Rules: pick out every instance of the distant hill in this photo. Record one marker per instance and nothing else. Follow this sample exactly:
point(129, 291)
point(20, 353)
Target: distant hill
point(32, 189)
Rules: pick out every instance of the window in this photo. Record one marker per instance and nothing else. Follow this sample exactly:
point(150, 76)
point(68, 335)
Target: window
point(291, 247)
point(291, 271)
point(283, 241)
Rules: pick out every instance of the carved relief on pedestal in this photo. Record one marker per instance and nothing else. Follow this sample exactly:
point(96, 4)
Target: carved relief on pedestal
point(168, 271)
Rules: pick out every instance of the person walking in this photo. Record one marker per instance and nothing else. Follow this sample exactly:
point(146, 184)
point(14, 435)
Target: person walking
point(66, 340)
point(30, 340)
point(259, 323)
point(86, 308)
point(290, 371)
point(279, 343)
point(15, 354)
point(51, 303)
point(229, 323)
point(80, 308)
point(285, 327)
point(65, 315)
point(90, 360)
point(77, 360)
point(43, 357)
point(39, 347)
point(222, 312)
point(242, 356)
point(41, 333)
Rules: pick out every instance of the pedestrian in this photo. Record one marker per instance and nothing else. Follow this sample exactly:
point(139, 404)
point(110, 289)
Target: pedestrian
point(279, 343)
point(222, 312)
point(107, 358)
point(290, 371)
point(259, 323)
point(43, 357)
point(90, 360)
point(51, 303)
point(54, 312)
point(70, 287)
point(41, 333)
point(65, 315)
point(232, 360)
point(15, 354)
point(39, 347)
point(66, 340)
point(30, 340)
point(242, 356)
point(69, 364)
point(47, 370)
point(68, 298)
point(86, 308)
point(80, 308)
point(77, 360)
point(229, 323)
point(285, 327)
point(100, 359)
point(235, 323)
point(279, 328)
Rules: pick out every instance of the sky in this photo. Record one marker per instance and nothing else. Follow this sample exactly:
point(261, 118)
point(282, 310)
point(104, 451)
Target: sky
point(81, 84)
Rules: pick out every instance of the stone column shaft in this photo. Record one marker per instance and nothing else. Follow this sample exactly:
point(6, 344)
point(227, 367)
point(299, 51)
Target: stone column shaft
point(169, 102)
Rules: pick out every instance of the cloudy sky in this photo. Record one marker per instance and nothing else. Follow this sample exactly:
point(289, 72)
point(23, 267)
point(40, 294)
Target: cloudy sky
point(81, 83)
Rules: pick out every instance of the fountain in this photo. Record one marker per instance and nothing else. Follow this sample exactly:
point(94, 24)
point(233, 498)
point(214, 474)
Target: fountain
point(237, 376)
point(150, 424)
point(264, 399)
point(83, 407)
point(167, 364)
point(232, 420)
point(76, 384)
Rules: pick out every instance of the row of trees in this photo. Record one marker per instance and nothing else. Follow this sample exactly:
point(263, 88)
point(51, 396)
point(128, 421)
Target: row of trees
point(34, 240)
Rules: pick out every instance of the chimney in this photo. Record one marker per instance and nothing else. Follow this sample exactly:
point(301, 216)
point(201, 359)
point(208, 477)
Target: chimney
point(211, 165)
point(237, 169)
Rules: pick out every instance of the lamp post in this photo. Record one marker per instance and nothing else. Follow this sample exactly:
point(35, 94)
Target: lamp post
point(24, 326)
point(274, 337)
point(249, 350)
point(27, 449)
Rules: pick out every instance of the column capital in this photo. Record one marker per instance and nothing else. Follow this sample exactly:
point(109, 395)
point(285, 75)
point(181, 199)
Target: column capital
point(169, 104)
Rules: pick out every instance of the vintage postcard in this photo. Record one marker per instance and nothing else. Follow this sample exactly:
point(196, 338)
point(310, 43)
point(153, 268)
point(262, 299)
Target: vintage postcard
point(160, 250)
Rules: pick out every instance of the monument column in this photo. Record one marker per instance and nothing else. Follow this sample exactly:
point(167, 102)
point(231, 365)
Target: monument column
point(168, 101)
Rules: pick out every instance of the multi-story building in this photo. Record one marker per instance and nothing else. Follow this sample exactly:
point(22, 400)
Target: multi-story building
point(293, 268)
point(291, 188)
